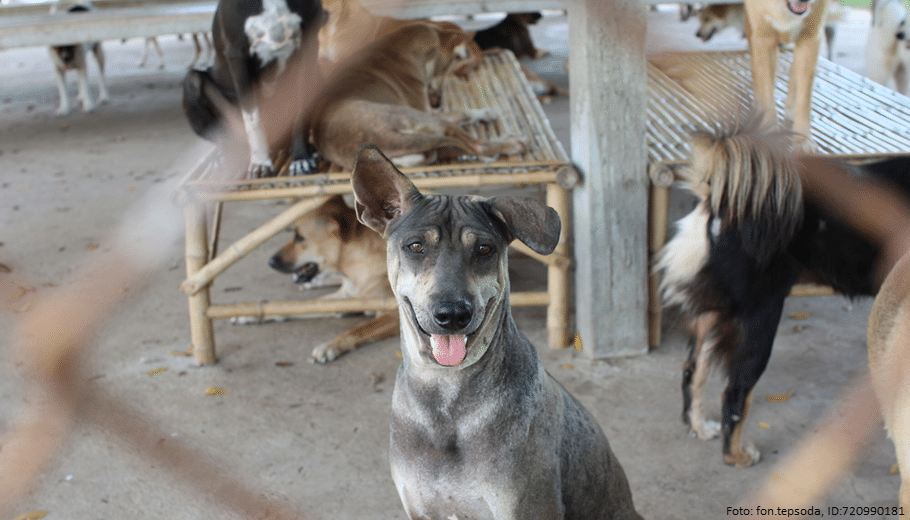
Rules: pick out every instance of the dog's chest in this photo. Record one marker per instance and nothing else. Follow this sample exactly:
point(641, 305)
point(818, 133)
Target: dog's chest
point(787, 25)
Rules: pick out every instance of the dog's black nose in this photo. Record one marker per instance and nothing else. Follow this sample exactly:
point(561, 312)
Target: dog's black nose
point(453, 316)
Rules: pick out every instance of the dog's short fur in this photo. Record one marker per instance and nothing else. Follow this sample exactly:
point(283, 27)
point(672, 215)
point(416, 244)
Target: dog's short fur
point(889, 354)
point(331, 247)
point(512, 33)
point(716, 17)
point(75, 57)
point(381, 94)
point(479, 429)
point(886, 56)
point(736, 256)
point(351, 27)
point(256, 43)
point(770, 23)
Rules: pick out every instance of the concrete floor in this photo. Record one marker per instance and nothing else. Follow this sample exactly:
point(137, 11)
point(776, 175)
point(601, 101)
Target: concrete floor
point(316, 437)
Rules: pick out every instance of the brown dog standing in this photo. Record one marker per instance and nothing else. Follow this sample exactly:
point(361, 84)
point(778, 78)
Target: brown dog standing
point(770, 23)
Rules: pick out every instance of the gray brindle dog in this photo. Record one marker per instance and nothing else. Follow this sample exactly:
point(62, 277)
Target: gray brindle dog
point(479, 430)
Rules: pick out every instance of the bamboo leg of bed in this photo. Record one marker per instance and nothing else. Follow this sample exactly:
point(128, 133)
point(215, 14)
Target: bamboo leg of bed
point(558, 275)
point(201, 332)
point(657, 235)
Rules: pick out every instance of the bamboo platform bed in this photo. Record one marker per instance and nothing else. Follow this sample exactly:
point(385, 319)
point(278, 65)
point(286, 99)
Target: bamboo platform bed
point(853, 118)
point(498, 84)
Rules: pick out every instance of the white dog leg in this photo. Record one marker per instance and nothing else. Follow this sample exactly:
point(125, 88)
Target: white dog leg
point(84, 95)
point(260, 162)
point(64, 108)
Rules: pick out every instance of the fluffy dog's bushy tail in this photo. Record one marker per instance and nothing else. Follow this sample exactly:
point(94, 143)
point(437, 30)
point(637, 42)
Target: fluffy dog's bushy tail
point(744, 173)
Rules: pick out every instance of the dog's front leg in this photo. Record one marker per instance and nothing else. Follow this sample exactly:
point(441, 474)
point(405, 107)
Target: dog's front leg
point(696, 370)
point(379, 328)
point(102, 81)
point(763, 47)
point(59, 74)
point(260, 159)
point(802, 76)
point(84, 96)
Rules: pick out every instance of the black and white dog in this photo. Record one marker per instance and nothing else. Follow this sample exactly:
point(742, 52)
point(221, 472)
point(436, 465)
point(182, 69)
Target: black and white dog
point(74, 57)
point(255, 42)
point(736, 256)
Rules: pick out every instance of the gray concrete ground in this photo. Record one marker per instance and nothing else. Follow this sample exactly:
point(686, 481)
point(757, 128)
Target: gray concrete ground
point(315, 437)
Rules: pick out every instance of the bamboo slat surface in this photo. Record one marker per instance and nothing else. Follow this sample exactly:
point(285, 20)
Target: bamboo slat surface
point(852, 116)
point(498, 84)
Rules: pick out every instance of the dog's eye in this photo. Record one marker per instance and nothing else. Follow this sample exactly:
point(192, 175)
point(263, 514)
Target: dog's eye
point(298, 237)
point(416, 247)
point(484, 249)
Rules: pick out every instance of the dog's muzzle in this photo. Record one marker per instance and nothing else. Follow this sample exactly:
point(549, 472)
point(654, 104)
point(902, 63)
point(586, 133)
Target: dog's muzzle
point(450, 350)
point(798, 7)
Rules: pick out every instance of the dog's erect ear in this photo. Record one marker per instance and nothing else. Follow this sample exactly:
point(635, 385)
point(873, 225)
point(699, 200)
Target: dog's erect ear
point(381, 192)
point(528, 220)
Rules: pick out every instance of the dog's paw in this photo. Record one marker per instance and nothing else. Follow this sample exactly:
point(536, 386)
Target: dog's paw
point(305, 166)
point(326, 353)
point(743, 456)
point(259, 169)
point(707, 430)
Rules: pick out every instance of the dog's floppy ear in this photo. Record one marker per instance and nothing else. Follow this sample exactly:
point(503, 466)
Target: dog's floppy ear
point(528, 220)
point(381, 192)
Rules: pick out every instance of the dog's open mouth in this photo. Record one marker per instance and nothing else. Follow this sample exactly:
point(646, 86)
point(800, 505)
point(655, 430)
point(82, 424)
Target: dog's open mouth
point(306, 273)
point(798, 8)
point(446, 350)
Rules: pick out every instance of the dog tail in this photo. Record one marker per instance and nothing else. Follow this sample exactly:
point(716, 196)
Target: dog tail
point(745, 175)
point(201, 111)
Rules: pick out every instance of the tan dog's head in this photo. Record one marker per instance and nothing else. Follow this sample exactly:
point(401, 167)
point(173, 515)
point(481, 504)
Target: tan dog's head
point(318, 240)
point(713, 19)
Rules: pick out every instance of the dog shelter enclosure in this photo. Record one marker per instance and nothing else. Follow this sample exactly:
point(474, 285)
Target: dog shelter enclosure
point(178, 298)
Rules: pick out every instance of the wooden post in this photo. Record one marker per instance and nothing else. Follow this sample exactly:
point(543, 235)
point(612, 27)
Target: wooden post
point(201, 332)
point(661, 181)
point(608, 87)
point(558, 275)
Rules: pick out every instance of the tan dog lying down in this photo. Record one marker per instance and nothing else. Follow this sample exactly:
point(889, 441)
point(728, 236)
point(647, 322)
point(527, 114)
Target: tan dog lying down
point(331, 247)
point(382, 95)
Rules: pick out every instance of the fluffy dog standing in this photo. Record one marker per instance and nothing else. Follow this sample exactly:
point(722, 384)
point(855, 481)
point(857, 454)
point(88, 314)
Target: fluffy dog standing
point(479, 429)
point(736, 256)
point(75, 57)
point(255, 42)
point(884, 60)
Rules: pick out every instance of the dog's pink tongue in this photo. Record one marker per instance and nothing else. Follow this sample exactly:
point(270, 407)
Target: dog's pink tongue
point(448, 350)
point(799, 7)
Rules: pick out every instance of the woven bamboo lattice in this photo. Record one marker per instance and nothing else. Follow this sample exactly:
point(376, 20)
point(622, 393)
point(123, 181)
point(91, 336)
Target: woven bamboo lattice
point(853, 118)
point(499, 85)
